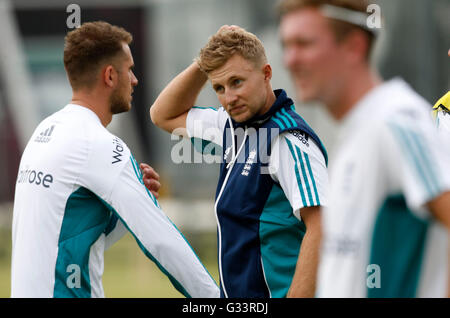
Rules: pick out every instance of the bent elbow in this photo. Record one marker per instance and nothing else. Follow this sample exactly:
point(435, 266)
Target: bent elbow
point(154, 116)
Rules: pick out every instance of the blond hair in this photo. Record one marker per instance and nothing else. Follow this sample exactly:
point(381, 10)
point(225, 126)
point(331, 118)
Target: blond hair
point(228, 42)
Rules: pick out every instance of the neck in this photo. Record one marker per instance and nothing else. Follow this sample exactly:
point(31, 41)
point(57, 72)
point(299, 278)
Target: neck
point(90, 100)
point(270, 100)
point(353, 90)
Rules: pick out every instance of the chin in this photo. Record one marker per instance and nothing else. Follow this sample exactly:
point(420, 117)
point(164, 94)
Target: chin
point(241, 118)
point(120, 108)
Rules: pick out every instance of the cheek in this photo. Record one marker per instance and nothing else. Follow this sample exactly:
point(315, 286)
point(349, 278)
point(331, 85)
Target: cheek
point(221, 100)
point(314, 56)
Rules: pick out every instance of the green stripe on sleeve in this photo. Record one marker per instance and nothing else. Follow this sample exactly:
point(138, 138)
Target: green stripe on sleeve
point(308, 188)
point(428, 164)
point(278, 115)
point(413, 157)
point(199, 107)
point(278, 122)
point(297, 173)
point(289, 117)
point(312, 178)
point(138, 173)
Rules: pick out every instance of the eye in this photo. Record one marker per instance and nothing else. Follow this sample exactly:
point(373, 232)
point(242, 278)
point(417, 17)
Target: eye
point(219, 89)
point(237, 82)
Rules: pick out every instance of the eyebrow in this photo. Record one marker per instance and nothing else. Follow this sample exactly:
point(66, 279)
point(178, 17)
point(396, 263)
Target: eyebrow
point(228, 80)
point(216, 86)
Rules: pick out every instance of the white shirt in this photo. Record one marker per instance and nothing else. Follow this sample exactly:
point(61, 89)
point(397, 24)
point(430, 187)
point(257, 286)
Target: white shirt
point(379, 239)
point(74, 178)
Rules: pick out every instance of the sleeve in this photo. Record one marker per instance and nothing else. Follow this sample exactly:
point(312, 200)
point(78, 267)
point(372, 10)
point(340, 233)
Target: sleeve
point(298, 165)
point(114, 176)
point(114, 231)
point(415, 161)
point(206, 124)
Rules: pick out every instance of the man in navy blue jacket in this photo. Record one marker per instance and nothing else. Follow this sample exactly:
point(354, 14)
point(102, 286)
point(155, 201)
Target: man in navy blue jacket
point(273, 176)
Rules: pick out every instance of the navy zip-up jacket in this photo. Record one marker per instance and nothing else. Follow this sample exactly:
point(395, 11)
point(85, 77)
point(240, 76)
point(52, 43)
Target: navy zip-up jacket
point(258, 236)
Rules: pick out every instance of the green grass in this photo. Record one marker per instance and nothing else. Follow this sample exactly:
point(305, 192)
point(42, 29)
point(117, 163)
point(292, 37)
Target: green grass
point(128, 272)
point(5, 263)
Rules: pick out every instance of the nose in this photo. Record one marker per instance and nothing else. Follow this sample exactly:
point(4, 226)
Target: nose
point(230, 98)
point(134, 80)
point(290, 57)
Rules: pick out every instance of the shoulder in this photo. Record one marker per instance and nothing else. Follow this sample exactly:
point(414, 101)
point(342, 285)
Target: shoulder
point(298, 143)
point(108, 148)
point(108, 157)
point(399, 106)
point(202, 118)
point(207, 112)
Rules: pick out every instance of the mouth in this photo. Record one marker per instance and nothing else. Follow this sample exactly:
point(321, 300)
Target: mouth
point(237, 109)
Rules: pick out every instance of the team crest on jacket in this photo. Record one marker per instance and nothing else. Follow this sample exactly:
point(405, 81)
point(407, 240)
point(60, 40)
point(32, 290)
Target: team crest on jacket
point(248, 164)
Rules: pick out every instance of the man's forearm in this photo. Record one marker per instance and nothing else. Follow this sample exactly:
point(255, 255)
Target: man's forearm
point(304, 280)
point(178, 96)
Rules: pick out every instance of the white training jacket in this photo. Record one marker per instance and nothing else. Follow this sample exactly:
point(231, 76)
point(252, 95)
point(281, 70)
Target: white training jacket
point(379, 238)
point(78, 190)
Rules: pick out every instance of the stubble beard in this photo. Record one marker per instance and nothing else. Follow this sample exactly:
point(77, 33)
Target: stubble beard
point(118, 102)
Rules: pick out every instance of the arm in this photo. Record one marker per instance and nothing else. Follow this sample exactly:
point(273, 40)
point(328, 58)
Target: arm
point(440, 208)
point(171, 107)
point(116, 229)
point(412, 176)
point(304, 280)
point(287, 162)
point(120, 187)
point(157, 236)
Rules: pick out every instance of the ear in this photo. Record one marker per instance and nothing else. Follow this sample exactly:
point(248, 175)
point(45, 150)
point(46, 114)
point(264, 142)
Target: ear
point(267, 70)
point(109, 75)
point(356, 45)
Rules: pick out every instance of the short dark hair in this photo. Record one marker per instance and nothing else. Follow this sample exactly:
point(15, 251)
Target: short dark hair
point(340, 28)
point(88, 47)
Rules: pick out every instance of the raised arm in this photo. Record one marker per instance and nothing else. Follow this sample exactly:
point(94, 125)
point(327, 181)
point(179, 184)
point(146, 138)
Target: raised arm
point(170, 109)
